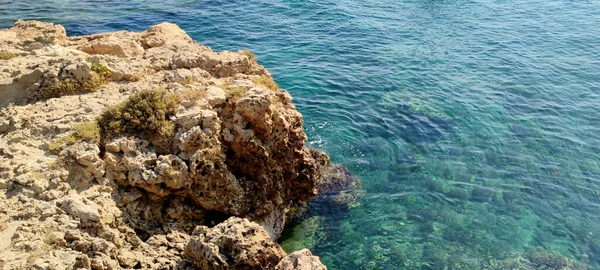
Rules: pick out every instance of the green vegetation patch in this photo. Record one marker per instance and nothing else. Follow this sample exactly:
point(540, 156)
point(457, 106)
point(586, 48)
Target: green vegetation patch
point(145, 115)
point(6, 55)
point(249, 54)
point(267, 82)
point(100, 69)
point(86, 131)
point(236, 92)
point(71, 86)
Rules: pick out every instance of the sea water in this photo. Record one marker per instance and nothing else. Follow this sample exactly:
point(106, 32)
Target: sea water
point(474, 125)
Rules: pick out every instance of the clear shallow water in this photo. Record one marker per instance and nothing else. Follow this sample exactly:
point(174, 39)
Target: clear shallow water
point(474, 125)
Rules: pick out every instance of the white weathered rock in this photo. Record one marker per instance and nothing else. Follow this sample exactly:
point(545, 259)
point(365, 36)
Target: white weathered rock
point(84, 162)
point(112, 45)
point(87, 214)
point(164, 34)
point(215, 96)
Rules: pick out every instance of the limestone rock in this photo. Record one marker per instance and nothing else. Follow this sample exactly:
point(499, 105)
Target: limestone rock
point(300, 260)
point(215, 96)
point(164, 33)
point(237, 150)
point(128, 259)
point(250, 147)
point(236, 243)
point(113, 45)
point(87, 214)
point(87, 156)
point(38, 32)
point(119, 68)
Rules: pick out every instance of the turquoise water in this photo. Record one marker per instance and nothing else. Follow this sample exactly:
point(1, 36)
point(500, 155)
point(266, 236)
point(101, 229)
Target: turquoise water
point(474, 125)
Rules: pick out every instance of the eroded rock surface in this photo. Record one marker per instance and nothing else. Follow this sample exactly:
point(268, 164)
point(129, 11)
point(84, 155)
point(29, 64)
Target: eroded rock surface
point(300, 260)
point(241, 244)
point(236, 243)
point(72, 202)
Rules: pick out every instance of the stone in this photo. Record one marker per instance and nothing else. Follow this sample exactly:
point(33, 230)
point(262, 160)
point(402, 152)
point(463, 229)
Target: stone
point(300, 260)
point(87, 214)
point(128, 259)
point(163, 34)
point(215, 96)
point(238, 149)
point(338, 187)
point(39, 32)
point(234, 243)
point(84, 161)
point(113, 45)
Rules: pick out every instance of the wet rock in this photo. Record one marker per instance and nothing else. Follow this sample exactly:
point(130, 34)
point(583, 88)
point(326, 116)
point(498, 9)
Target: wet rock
point(338, 186)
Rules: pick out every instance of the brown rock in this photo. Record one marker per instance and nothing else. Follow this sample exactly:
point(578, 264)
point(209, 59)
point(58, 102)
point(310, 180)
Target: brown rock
point(234, 244)
point(113, 45)
point(35, 31)
point(128, 259)
point(300, 260)
point(338, 186)
point(164, 33)
point(237, 150)
point(249, 160)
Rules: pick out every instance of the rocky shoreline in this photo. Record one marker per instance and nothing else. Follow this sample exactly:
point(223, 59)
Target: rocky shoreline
point(147, 150)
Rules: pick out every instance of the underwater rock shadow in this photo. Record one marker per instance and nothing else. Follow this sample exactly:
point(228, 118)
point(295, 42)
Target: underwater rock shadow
point(339, 191)
point(401, 121)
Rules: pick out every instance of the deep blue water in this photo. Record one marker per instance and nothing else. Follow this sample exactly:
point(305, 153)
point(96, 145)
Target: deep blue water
point(474, 125)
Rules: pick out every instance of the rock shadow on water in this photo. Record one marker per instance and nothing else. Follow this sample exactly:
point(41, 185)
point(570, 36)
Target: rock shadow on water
point(410, 118)
point(521, 131)
point(338, 191)
point(418, 128)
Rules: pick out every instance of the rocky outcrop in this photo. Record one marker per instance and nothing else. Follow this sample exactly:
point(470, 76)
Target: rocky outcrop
point(235, 243)
point(235, 163)
point(300, 260)
point(240, 244)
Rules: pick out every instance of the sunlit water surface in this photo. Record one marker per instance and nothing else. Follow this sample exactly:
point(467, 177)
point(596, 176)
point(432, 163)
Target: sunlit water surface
point(474, 125)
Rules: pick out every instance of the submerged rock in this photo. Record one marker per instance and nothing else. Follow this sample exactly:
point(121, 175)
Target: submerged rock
point(339, 187)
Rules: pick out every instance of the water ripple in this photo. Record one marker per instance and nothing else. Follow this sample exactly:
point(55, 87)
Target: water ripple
point(473, 124)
